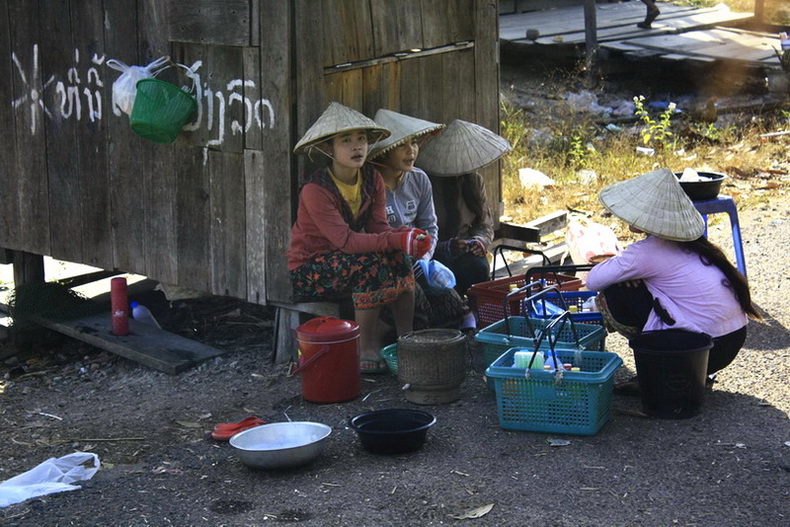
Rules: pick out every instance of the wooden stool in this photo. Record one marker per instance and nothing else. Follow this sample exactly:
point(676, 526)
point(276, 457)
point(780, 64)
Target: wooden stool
point(726, 204)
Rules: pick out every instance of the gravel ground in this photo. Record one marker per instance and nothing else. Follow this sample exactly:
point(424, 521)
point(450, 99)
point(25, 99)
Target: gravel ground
point(726, 467)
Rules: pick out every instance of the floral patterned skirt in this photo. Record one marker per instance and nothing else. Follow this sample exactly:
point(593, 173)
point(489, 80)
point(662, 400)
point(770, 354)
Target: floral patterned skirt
point(372, 279)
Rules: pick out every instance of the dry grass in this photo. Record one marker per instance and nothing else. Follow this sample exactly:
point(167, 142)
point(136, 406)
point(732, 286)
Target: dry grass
point(571, 145)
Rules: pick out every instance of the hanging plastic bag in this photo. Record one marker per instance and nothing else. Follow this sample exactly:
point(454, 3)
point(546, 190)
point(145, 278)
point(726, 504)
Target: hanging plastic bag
point(590, 242)
point(124, 89)
point(434, 277)
point(51, 476)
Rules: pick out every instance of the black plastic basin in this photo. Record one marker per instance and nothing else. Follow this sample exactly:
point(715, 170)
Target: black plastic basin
point(708, 188)
point(392, 431)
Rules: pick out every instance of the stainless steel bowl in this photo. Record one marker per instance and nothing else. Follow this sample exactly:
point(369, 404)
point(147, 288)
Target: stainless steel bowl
point(281, 445)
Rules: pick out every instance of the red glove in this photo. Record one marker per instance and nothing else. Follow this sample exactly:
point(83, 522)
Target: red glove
point(415, 242)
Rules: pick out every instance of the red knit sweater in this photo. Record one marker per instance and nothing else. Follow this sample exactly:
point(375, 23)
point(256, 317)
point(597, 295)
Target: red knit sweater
point(324, 222)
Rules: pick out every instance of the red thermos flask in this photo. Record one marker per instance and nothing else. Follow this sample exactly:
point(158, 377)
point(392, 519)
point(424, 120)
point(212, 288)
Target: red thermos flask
point(119, 304)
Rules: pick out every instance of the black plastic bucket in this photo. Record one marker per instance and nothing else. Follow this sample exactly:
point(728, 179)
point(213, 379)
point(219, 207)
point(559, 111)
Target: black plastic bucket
point(671, 365)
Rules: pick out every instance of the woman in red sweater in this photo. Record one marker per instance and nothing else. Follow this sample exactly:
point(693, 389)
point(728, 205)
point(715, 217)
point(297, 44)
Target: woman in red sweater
point(341, 241)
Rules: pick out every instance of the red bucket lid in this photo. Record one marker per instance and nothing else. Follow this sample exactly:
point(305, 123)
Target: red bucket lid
point(327, 329)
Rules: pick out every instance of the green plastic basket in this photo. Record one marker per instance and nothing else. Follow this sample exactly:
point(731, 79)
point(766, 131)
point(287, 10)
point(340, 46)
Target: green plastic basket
point(579, 404)
point(515, 332)
point(390, 355)
point(160, 110)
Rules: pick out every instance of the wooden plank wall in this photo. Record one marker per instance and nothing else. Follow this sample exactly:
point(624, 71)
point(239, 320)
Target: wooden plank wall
point(213, 210)
point(460, 82)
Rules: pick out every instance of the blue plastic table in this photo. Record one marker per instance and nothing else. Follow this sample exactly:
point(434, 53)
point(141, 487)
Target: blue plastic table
point(726, 204)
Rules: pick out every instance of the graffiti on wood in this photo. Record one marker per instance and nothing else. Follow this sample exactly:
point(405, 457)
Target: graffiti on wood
point(80, 94)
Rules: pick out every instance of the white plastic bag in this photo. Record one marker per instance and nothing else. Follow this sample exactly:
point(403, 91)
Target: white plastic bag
point(51, 476)
point(124, 89)
point(590, 242)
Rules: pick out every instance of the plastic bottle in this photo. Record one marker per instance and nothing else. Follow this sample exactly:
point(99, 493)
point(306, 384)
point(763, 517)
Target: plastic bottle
point(142, 314)
point(548, 362)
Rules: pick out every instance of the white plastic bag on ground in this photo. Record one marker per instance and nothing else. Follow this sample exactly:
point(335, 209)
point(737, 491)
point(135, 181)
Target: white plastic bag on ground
point(124, 89)
point(51, 476)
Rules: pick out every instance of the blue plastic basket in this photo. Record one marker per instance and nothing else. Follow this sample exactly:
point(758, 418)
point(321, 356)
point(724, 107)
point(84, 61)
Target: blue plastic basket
point(497, 338)
point(572, 299)
point(579, 404)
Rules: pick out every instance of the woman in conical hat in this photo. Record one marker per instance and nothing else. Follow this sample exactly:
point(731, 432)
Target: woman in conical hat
point(466, 225)
point(341, 242)
point(674, 278)
point(410, 203)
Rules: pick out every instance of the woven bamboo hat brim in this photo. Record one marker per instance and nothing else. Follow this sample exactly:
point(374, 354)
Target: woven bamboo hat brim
point(337, 119)
point(403, 127)
point(463, 147)
point(656, 204)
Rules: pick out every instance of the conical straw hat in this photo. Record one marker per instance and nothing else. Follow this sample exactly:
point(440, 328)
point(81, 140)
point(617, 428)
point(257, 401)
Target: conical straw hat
point(337, 119)
point(462, 148)
point(656, 204)
point(403, 128)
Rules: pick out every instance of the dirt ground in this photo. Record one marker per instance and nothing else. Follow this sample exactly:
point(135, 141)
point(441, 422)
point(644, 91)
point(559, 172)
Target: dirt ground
point(726, 467)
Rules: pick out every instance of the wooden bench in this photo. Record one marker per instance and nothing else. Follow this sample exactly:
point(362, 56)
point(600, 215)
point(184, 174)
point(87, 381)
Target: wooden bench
point(291, 315)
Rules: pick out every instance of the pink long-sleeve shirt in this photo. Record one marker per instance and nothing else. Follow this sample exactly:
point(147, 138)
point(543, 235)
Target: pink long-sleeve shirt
point(695, 295)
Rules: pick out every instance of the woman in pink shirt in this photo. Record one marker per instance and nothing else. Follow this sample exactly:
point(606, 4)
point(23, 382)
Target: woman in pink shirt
point(674, 278)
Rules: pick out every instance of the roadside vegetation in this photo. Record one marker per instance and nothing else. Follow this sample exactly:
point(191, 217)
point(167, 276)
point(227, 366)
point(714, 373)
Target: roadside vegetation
point(582, 156)
point(584, 151)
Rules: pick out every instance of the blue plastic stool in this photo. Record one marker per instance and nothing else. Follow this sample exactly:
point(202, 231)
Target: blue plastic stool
point(726, 204)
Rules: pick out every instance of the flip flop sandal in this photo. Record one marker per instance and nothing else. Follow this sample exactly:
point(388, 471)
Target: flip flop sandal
point(224, 431)
point(374, 371)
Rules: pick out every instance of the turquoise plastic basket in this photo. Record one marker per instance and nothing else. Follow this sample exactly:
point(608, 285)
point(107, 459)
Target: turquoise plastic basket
point(579, 404)
point(515, 332)
point(390, 356)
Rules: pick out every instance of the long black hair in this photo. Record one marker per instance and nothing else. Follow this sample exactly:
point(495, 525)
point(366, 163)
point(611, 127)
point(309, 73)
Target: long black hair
point(710, 254)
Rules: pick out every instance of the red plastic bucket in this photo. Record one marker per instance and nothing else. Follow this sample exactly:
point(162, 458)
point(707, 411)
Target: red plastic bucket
point(329, 360)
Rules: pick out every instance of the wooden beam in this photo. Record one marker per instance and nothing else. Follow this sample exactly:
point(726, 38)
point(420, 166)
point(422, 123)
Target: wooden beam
point(550, 222)
point(147, 345)
point(590, 38)
point(28, 267)
point(759, 10)
point(401, 55)
point(518, 232)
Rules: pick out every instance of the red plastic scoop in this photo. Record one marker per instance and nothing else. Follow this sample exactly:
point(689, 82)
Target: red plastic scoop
point(224, 431)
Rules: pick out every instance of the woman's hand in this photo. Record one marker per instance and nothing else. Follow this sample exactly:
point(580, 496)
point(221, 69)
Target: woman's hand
point(460, 246)
point(476, 247)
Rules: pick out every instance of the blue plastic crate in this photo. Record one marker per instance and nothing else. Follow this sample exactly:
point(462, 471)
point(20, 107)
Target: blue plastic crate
point(579, 404)
point(497, 338)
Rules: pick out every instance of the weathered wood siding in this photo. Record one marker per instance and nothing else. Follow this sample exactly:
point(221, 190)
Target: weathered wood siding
point(213, 210)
